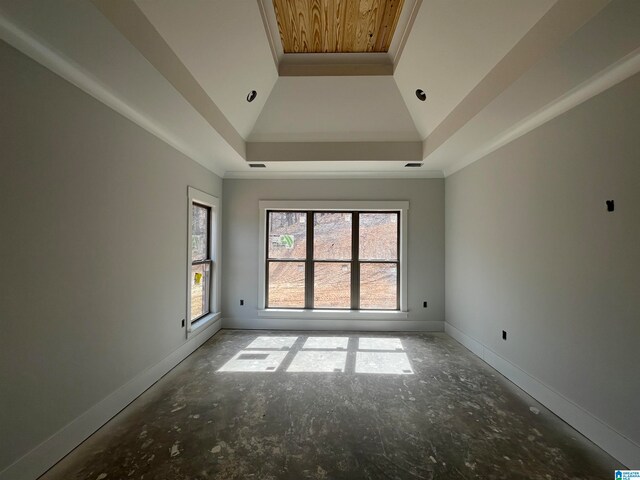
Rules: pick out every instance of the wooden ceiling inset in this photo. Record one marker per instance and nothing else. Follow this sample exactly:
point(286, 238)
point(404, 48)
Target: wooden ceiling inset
point(337, 26)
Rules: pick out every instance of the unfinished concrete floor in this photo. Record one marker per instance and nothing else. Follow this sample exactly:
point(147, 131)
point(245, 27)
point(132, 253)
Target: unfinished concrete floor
point(401, 406)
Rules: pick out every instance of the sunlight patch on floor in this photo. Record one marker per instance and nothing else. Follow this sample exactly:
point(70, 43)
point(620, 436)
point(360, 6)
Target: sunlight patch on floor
point(383, 363)
point(322, 354)
point(278, 343)
point(310, 361)
point(333, 343)
point(254, 361)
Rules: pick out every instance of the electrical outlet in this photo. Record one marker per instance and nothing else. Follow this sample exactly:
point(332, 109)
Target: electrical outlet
point(182, 322)
point(424, 304)
point(504, 335)
point(241, 302)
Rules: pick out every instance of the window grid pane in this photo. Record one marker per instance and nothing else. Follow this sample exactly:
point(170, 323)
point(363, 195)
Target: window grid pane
point(200, 288)
point(287, 237)
point(378, 286)
point(286, 282)
point(378, 236)
point(200, 232)
point(332, 235)
point(332, 285)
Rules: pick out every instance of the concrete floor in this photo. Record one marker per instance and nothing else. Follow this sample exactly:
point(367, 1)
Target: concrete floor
point(443, 414)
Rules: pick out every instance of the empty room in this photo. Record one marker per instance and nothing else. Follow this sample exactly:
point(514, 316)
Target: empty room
point(319, 239)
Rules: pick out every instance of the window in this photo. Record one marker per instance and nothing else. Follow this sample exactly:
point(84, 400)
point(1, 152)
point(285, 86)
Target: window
point(332, 259)
point(200, 261)
point(203, 251)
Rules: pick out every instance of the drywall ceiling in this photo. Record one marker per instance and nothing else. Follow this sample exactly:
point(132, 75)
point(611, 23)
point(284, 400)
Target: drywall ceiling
point(223, 44)
point(335, 109)
point(453, 45)
point(491, 70)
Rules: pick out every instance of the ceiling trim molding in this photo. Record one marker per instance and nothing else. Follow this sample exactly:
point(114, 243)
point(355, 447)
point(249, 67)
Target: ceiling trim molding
point(336, 70)
point(402, 39)
point(303, 175)
point(605, 79)
point(273, 45)
point(73, 73)
point(333, 151)
point(127, 17)
point(559, 23)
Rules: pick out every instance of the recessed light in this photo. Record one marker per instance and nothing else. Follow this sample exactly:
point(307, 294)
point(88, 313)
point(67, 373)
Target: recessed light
point(421, 95)
point(413, 165)
point(251, 96)
point(257, 165)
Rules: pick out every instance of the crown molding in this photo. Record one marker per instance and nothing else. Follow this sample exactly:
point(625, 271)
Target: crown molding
point(73, 73)
point(333, 70)
point(561, 21)
point(334, 151)
point(311, 175)
point(127, 18)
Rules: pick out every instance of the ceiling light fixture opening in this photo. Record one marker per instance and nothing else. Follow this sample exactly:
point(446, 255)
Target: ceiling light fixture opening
point(257, 165)
point(251, 96)
point(421, 95)
point(413, 165)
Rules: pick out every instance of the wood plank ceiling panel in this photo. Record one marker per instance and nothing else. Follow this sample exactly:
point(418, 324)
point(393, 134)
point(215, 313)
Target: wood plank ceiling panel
point(337, 26)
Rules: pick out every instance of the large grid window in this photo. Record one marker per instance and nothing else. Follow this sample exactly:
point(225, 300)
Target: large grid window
point(346, 260)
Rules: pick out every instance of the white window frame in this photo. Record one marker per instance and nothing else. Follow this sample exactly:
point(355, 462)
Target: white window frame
point(337, 205)
point(215, 237)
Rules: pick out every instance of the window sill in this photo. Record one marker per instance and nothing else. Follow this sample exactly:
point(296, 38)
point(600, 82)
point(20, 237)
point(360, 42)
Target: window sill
point(198, 326)
point(334, 314)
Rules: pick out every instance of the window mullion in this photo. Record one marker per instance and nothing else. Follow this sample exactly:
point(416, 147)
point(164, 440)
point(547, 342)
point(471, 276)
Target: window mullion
point(209, 230)
point(266, 263)
point(355, 263)
point(398, 293)
point(308, 271)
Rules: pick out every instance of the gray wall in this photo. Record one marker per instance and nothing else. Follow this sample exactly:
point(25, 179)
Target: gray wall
point(532, 250)
point(425, 243)
point(93, 218)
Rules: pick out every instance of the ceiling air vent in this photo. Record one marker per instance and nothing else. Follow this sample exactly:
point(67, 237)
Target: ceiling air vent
point(257, 165)
point(413, 165)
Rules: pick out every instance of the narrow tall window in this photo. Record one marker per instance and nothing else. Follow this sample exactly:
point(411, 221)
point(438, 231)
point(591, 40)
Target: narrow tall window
point(201, 261)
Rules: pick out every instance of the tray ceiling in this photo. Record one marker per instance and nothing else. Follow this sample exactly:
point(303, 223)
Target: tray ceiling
point(491, 70)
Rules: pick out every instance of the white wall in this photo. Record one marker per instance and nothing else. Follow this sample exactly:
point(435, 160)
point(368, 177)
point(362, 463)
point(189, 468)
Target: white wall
point(532, 250)
point(240, 245)
point(93, 219)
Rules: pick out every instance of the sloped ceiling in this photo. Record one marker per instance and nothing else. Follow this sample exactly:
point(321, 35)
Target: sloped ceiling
point(453, 45)
point(223, 44)
point(182, 69)
point(335, 109)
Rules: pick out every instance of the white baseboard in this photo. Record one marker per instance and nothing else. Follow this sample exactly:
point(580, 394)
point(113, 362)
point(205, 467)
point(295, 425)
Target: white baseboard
point(614, 443)
point(49, 452)
point(265, 323)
